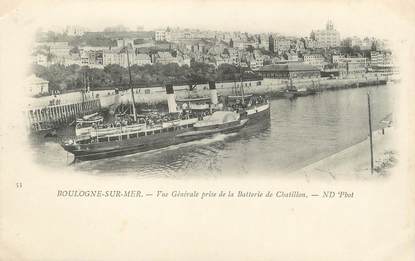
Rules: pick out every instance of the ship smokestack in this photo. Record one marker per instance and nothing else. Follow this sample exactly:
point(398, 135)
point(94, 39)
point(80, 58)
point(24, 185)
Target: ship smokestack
point(171, 98)
point(213, 93)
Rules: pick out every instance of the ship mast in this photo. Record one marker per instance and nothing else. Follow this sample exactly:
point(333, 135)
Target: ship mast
point(130, 85)
point(242, 85)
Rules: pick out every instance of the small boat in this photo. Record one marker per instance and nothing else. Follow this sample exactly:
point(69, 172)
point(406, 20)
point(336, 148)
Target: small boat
point(85, 124)
point(305, 92)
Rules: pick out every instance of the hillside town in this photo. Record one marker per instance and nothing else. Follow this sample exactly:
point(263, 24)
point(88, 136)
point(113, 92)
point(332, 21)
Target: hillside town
point(70, 58)
point(119, 91)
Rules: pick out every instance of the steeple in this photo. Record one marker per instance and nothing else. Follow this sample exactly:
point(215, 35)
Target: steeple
point(329, 25)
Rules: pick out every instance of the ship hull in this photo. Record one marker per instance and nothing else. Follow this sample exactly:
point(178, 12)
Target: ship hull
point(258, 113)
point(100, 150)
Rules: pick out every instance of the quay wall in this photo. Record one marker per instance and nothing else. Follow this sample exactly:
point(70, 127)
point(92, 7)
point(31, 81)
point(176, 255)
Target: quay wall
point(51, 111)
point(155, 95)
point(59, 114)
point(270, 87)
point(106, 97)
point(152, 95)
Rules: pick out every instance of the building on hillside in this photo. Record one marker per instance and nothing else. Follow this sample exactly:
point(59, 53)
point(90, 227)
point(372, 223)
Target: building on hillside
point(117, 56)
point(183, 60)
point(165, 58)
point(299, 46)
point(75, 30)
point(281, 44)
point(316, 60)
point(59, 49)
point(111, 56)
point(256, 64)
point(264, 41)
point(328, 37)
point(142, 59)
point(290, 57)
point(352, 66)
point(92, 57)
point(310, 43)
point(336, 57)
point(160, 35)
point(377, 58)
point(125, 42)
point(290, 71)
point(359, 60)
point(41, 59)
point(222, 59)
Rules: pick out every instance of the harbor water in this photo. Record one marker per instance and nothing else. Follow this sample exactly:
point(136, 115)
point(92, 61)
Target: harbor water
point(299, 132)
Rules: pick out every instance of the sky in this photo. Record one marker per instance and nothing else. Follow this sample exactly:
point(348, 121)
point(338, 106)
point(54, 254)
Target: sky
point(295, 17)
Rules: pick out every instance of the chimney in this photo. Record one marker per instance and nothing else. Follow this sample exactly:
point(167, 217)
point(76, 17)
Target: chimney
point(213, 93)
point(171, 98)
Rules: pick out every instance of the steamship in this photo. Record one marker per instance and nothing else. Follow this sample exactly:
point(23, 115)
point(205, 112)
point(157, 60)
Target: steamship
point(169, 129)
point(128, 137)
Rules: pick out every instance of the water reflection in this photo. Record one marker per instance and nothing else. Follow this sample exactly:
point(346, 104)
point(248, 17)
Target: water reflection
point(299, 132)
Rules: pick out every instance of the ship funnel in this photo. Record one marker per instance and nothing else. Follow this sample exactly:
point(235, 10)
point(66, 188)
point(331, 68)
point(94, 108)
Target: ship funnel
point(171, 98)
point(213, 93)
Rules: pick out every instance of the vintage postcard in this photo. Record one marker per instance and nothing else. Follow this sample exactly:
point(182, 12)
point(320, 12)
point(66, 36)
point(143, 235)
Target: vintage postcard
point(207, 130)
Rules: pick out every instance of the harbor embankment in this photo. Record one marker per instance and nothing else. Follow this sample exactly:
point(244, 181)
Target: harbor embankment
point(54, 110)
point(270, 87)
point(354, 162)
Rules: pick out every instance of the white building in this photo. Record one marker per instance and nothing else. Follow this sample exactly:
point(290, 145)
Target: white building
point(111, 57)
point(352, 66)
point(165, 58)
point(142, 59)
point(281, 44)
point(183, 60)
point(310, 43)
point(256, 64)
point(336, 57)
point(36, 85)
point(75, 30)
point(160, 35)
point(125, 42)
point(41, 59)
point(329, 37)
point(60, 49)
point(264, 41)
point(316, 60)
point(222, 60)
point(377, 58)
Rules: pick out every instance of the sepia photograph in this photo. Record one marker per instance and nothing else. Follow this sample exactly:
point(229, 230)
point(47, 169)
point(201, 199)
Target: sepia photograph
point(169, 100)
point(207, 130)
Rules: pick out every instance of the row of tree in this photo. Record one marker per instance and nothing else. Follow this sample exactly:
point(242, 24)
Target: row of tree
point(72, 77)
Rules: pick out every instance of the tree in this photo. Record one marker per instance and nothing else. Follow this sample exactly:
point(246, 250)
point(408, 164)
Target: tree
point(116, 73)
point(250, 48)
point(226, 72)
point(374, 46)
point(313, 35)
point(74, 50)
point(356, 50)
point(200, 73)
